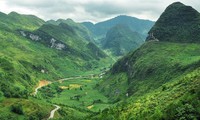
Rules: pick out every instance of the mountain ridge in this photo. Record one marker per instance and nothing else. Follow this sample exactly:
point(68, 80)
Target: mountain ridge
point(99, 29)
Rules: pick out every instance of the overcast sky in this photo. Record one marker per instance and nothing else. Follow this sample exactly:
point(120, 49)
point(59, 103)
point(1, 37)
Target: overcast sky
point(91, 10)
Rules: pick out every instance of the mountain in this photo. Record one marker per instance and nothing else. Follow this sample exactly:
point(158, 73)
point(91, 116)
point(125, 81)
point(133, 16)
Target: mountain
point(160, 80)
point(178, 23)
point(119, 35)
point(32, 50)
point(15, 20)
point(80, 29)
point(120, 40)
point(100, 29)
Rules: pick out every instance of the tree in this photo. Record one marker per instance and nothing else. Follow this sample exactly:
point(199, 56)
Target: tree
point(17, 108)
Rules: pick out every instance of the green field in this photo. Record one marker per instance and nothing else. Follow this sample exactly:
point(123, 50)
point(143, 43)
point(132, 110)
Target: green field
point(77, 93)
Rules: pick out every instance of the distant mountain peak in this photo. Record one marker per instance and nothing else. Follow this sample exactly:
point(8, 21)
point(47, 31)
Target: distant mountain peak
point(177, 3)
point(13, 12)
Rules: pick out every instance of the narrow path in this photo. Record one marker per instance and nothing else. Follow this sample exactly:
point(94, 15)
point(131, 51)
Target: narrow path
point(53, 111)
point(41, 84)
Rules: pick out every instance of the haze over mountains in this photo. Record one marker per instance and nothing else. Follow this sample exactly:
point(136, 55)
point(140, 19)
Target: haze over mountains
point(98, 33)
point(124, 33)
point(154, 79)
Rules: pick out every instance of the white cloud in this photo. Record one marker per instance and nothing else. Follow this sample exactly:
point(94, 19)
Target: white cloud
point(94, 10)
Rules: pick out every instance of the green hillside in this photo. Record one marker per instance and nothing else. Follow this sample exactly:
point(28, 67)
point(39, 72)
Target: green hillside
point(121, 39)
point(161, 79)
point(58, 63)
point(80, 29)
point(119, 35)
point(178, 23)
point(56, 50)
point(157, 78)
point(32, 51)
point(14, 21)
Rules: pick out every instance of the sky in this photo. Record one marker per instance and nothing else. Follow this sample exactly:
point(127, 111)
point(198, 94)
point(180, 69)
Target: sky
point(91, 10)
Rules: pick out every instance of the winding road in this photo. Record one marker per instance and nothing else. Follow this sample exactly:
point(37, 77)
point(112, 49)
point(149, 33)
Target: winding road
point(53, 111)
point(43, 83)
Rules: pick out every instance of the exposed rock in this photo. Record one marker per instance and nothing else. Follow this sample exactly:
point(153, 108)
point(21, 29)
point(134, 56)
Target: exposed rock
point(23, 33)
point(34, 37)
point(59, 46)
point(42, 71)
point(151, 37)
point(52, 42)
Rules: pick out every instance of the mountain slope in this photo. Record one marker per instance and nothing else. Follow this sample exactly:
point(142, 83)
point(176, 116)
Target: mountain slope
point(143, 73)
point(160, 80)
point(159, 74)
point(100, 29)
point(178, 23)
point(34, 51)
point(80, 29)
point(120, 40)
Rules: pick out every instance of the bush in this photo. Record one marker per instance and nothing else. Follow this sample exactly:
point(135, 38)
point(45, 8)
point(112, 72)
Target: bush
point(1, 96)
point(17, 108)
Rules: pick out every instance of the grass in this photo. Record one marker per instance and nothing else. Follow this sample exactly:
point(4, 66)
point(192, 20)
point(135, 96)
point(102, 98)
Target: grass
point(79, 93)
point(26, 59)
point(31, 108)
point(161, 79)
point(178, 99)
point(24, 62)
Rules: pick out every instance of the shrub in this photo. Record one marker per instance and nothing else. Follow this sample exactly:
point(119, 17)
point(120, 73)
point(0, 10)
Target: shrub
point(17, 108)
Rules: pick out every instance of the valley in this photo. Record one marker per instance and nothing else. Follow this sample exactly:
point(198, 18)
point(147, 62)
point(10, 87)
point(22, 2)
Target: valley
point(75, 92)
point(123, 68)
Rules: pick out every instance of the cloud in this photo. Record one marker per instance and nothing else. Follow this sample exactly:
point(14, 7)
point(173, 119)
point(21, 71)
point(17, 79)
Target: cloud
point(93, 10)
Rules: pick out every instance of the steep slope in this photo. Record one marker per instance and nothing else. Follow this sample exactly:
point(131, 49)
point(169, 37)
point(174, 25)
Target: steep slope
point(65, 37)
point(121, 40)
point(160, 80)
point(80, 29)
point(34, 51)
point(152, 65)
point(178, 23)
point(156, 81)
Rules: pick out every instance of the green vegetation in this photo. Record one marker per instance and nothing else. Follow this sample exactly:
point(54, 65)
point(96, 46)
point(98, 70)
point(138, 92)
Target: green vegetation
point(75, 93)
point(142, 73)
point(120, 40)
point(178, 23)
point(80, 29)
point(119, 35)
point(28, 55)
point(99, 30)
point(177, 99)
point(12, 109)
point(159, 80)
